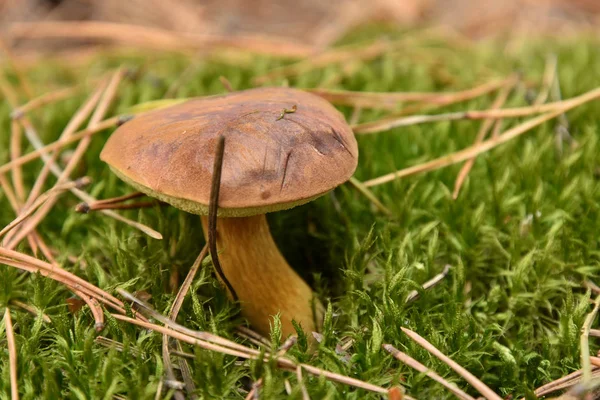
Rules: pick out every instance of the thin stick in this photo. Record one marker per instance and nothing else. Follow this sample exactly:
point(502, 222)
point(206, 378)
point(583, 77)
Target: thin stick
point(469, 377)
point(369, 195)
point(12, 355)
point(389, 123)
point(32, 310)
point(411, 362)
point(585, 345)
point(564, 382)
point(465, 154)
point(213, 207)
point(483, 131)
point(413, 295)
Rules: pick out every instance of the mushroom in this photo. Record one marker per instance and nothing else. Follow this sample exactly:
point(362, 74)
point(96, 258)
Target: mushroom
point(284, 148)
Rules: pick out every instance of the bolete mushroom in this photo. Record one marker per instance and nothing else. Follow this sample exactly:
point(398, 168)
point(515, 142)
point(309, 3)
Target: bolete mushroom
point(284, 148)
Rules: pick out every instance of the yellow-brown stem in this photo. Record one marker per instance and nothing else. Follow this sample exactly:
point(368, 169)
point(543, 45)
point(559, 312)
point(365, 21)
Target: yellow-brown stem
point(262, 279)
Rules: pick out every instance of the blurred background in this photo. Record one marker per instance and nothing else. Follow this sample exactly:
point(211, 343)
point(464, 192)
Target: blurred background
point(315, 23)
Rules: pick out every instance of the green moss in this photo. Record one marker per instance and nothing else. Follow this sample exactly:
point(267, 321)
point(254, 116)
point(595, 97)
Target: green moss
point(521, 238)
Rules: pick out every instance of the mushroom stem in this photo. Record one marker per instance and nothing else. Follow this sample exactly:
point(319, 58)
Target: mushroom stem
point(263, 281)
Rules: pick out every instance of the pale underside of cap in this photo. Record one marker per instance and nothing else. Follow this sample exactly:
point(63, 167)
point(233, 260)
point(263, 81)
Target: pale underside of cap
point(270, 162)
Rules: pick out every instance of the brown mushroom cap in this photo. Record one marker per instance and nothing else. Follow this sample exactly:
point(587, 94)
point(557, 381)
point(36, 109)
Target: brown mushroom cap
point(270, 163)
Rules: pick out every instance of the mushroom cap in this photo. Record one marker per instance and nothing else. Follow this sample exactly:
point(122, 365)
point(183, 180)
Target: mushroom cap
point(270, 162)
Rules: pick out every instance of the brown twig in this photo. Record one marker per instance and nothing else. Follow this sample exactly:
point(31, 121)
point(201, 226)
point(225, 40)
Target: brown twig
point(253, 337)
point(411, 362)
point(213, 207)
point(469, 377)
point(12, 355)
point(483, 131)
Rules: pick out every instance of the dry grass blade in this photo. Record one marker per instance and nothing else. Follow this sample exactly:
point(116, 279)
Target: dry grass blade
point(55, 191)
point(547, 80)
point(487, 145)
point(49, 159)
point(564, 383)
point(94, 306)
point(339, 55)
point(12, 355)
point(253, 337)
point(469, 377)
point(169, 324)
point(483, 131)
point(392, 100)
point(585, 345)
point(369, 195)
point(305, 395)
point(413, 295)
point(183, 290)
point(32, 264)
point(153, 38)
point(389, 123)
point(32, 310)
point(248, 353)
point(15, 152)
point(411, 362)
point(59, 144)
point(45, 99)
point(253, 393)
point(23, 80)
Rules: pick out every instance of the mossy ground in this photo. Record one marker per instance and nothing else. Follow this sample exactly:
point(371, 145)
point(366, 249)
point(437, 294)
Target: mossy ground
point(521, 238)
